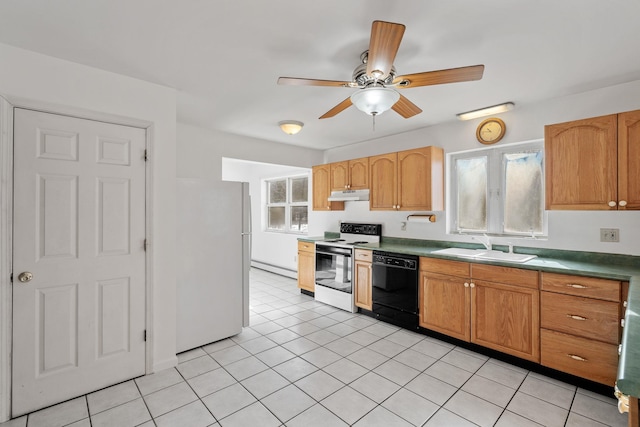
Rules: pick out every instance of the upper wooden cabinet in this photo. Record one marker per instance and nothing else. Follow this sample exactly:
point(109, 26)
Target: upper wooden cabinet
point(407, 180)
point(629, 160)
point(321, 179)
point(594, 164)
point(350, 174)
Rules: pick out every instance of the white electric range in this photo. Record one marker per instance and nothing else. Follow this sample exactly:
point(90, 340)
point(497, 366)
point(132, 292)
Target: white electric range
point(334, 264)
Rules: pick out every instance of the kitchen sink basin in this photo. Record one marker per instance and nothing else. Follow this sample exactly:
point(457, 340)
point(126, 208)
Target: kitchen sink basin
point(504, 256)
point(483, 254)
point(461, 252)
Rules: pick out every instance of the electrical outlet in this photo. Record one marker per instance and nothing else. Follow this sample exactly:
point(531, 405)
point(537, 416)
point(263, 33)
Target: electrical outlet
point(403, 226)
point(609, 234)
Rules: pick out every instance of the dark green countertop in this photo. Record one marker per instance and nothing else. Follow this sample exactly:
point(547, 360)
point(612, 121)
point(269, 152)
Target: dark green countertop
point(606, 266)
point(629, 364)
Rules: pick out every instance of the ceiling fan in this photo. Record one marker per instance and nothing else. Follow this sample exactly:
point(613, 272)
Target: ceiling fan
point(377, 80)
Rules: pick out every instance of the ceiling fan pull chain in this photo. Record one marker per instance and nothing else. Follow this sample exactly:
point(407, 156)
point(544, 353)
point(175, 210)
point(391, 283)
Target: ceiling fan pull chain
point(374, 121)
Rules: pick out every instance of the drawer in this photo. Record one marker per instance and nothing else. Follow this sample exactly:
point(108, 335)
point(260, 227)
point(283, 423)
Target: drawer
point(585, 317)
point(585, 358)
point(306, 246)
point(581, 286)
point(508, 275)
point(444, 266)
point(363, 255)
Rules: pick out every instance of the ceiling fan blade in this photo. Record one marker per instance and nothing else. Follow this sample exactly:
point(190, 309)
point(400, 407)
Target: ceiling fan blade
point(383, 46)
point(337, 109)
point(451, 75)
point(294, 81)
point(406, 108)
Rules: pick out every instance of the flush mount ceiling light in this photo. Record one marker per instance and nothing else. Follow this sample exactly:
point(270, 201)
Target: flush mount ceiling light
point(375, 100)
point(290, 127)
point(495, 109)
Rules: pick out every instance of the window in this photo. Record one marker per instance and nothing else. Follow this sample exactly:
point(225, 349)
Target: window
point(287, 204)
point(498, 190)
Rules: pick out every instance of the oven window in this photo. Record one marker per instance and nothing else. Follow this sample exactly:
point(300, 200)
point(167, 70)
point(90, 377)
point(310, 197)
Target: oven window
point(333, 270)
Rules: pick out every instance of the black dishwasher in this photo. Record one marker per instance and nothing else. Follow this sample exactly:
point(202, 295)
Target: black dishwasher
point(395, 288)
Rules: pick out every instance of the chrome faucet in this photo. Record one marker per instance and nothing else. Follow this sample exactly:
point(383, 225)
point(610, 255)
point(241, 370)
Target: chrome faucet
point(486, 241)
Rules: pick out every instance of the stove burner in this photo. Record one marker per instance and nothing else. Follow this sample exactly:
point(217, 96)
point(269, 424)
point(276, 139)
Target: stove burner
point(333, 240)
point(358, 243)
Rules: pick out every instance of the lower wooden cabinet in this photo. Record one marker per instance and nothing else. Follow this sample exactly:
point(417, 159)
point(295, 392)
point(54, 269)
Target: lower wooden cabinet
point(496, 307)
point(306, 266)
point(580, 320)
point(445, 298)
point(582, 357)
point(362, 280)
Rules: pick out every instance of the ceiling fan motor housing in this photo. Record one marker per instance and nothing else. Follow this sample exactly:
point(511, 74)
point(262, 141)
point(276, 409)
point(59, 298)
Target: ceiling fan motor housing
point(361, 77)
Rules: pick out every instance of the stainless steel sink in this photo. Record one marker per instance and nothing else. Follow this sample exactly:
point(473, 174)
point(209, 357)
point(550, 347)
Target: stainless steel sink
point(483, 254)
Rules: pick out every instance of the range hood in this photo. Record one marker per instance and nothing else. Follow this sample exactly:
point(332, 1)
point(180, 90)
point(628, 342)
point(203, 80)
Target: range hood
point(349, 195)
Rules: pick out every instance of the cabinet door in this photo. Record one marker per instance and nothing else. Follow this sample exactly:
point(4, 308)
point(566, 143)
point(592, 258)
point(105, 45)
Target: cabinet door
point(421, 179)
point(359, 174)
point(306, 270)
point(383, 175)
point(506, 318)
point(581, 164)
point(322, 190)
point(339, 176)
point(444, 305)
point(629, 160)
point(363, 285)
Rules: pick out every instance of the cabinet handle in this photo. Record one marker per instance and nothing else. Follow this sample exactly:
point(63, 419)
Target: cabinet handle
point(622, 322)
point(576, 286)
point(576, 317)
point(473, 285)
point(612, 204)
point(576, 357)
point(624, 304)
point(622, 203)
point(466, 285)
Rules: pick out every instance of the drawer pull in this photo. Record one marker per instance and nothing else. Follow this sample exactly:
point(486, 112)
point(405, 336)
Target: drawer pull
point(576, 286)
point(576, 317)
point(576, 357)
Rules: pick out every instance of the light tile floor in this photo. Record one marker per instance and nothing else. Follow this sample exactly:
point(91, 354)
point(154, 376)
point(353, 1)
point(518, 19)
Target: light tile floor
point(306, 364)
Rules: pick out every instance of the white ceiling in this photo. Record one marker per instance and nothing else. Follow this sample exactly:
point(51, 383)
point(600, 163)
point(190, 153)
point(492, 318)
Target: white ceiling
point(224, 56)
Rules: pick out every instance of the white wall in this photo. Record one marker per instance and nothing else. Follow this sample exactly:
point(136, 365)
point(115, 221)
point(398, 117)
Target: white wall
point(200, 155)
point(29, 78)
point(570, 230)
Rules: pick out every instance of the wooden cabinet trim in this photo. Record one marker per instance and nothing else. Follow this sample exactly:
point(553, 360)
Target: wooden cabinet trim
point(445, 266)
point(585, 317)
point(591, 287)
point(579, 356)
point(510, 275)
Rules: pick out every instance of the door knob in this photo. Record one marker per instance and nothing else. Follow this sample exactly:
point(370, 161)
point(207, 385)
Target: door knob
point(25, 277)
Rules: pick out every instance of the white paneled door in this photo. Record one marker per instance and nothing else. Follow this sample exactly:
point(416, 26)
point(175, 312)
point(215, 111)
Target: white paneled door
point(78, 257)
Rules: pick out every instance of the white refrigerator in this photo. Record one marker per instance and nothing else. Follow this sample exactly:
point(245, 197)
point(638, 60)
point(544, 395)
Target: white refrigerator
point(214, 255)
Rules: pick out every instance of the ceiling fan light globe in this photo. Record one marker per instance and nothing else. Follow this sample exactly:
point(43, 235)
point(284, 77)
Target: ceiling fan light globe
point(375, 100)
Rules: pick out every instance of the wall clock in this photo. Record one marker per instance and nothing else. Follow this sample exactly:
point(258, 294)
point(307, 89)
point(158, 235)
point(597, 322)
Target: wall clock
point(490, 131)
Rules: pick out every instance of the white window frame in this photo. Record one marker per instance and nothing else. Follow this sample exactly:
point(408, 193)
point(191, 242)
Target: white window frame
point(496, 185)
point(288, 204)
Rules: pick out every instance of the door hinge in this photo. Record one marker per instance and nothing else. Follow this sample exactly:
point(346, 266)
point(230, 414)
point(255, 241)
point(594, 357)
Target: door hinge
point(145, 335)
point(146, 155)
point(144, 245)
point(11, 278)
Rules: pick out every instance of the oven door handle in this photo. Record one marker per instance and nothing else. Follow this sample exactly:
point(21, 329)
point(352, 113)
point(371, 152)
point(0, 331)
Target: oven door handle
point(334, 253)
